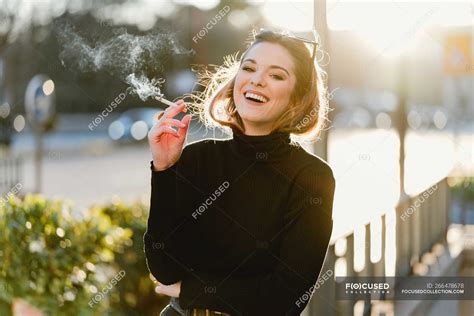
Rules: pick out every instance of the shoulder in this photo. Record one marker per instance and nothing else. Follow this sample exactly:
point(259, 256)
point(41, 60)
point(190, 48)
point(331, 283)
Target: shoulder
point(312, 164)
point(313, 175)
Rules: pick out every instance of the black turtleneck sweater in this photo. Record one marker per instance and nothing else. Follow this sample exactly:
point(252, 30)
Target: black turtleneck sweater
point(244, 223)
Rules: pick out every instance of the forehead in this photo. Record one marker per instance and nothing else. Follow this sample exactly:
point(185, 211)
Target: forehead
point(267, 54)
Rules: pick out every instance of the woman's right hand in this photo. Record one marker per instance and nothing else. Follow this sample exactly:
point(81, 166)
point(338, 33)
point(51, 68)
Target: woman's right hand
point(166, 144)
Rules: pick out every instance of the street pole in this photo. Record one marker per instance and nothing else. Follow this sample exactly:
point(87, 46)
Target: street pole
point(321, 26)
point(40, 110)
point(402, 119)
point(38, 160)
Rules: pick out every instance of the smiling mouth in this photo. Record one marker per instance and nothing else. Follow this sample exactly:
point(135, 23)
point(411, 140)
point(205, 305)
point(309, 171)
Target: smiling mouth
point(255, 98)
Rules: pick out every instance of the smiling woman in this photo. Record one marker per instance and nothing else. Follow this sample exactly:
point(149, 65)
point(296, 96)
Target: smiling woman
point(278, 67)
point(241, 226)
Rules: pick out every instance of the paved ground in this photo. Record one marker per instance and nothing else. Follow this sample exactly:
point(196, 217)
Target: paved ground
point(87, 167)
point(460, 308)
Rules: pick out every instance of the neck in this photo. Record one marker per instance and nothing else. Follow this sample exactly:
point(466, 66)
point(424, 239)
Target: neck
point(270, 147)
point(260, 130)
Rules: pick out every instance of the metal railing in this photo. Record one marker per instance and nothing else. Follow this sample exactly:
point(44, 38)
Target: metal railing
point(410, 230)
point(10, 173)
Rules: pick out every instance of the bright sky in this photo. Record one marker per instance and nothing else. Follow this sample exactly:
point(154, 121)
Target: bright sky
point(383, 23)
point(368, 16)
point(352, 14)
point(391, 25)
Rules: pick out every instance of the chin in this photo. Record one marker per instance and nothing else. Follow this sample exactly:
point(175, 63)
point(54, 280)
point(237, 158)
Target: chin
point(254, 120)
point(251, 117)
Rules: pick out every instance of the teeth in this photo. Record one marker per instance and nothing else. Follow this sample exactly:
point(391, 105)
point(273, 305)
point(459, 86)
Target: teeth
point(255, 96)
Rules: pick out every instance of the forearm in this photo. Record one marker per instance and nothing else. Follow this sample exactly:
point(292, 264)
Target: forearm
point(160, 222)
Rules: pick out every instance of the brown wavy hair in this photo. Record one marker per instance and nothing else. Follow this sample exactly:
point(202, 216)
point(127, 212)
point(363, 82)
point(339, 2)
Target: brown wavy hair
point(305, 117)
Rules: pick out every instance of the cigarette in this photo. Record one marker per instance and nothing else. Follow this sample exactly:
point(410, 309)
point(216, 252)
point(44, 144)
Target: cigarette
point(163, 100)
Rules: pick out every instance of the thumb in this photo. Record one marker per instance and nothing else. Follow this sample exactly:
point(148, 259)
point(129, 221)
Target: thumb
point(183, 131)
point(159, 289)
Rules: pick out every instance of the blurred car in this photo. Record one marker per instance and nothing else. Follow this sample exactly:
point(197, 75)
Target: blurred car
point(133, 125)
point(427, 116)
point(356, 117)
point(383, 106)
point(358, 108)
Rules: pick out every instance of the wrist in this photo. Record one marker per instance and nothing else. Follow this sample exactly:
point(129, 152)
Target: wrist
point(159, 167)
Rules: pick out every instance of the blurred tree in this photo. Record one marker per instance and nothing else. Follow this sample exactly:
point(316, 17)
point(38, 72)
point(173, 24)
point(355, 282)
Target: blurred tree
point(8, 17)
point(29, 46)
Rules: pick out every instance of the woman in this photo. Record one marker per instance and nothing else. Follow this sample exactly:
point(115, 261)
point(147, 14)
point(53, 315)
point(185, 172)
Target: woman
point(241, 226)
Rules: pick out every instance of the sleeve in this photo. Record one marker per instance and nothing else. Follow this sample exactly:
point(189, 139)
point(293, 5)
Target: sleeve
point(288, 288)
point(162, 219)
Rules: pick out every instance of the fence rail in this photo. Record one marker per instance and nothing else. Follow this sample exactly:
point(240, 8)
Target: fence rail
point(10, 173)
point(400, 238)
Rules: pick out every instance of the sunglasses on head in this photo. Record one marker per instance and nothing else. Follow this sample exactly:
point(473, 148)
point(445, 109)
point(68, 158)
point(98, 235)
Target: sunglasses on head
point(314, 43)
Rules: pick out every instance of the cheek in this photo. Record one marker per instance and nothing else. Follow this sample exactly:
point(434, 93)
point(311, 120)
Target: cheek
point(236, 93)
point(240, 78)
point(282, 93)
point(238, 84)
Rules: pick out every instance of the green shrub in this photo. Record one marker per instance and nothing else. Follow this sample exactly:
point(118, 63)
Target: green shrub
point(463, 188)
point(135, 293)
point(58, 259)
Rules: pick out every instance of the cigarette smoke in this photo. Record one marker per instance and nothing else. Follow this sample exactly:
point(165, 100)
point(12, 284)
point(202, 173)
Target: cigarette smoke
point(126, 56)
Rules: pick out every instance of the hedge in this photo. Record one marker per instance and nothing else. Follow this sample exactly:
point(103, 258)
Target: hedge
point(69, 262)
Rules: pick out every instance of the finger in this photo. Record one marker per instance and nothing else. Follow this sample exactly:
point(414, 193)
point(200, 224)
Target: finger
point(166, 129)
point(159, 289)
point(159, 116)
point(173, 122)
point(164, 289)
point(171, 112)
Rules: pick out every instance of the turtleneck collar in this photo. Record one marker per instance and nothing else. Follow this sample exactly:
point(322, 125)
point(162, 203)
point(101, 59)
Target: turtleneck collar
point(271, 147)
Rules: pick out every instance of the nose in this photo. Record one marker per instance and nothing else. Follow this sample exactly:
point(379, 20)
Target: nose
point(257, 79)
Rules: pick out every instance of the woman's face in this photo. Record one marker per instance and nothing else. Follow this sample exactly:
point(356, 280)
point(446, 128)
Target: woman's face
point(266, 73)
